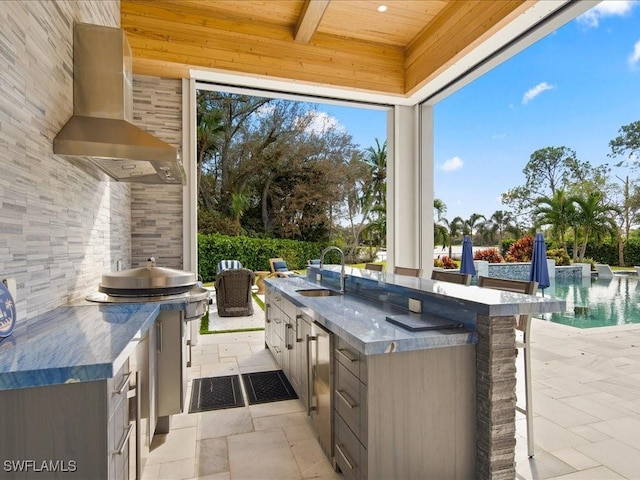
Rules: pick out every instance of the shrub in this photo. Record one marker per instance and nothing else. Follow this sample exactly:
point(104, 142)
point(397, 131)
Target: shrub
point(437, 262)
point(254, 253)
point(448, 262)
point(491, 255)
point(520, 250)
point(559, 255)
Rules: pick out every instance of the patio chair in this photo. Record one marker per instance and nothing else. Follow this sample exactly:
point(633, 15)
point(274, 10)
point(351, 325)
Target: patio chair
point(279, 268)
point(411, 272)
point(233, 292)
point(523, 324)
point(228, 264)
point(451, 277)
point(376, 267)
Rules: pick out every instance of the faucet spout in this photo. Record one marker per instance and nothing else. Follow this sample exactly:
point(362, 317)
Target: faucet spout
point(342, 274)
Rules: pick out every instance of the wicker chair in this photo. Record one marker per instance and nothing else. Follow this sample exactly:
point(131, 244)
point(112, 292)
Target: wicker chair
point(233, 292)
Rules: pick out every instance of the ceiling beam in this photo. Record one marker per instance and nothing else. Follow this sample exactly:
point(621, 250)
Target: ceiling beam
point(309, 20)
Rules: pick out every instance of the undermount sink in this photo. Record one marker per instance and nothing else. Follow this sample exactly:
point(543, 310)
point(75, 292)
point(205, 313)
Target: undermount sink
point(317, 292)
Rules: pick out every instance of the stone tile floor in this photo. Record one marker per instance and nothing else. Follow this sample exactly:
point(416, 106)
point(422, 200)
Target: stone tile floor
point(586, 386)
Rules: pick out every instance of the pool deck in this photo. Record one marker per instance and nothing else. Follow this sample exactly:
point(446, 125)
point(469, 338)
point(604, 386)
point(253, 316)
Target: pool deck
point(586, 402)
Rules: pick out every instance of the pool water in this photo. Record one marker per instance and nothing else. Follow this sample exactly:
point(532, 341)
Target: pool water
point(597, 302)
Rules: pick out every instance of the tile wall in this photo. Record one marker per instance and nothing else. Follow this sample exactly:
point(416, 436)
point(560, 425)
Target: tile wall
point(156, 210)
point(63, 224)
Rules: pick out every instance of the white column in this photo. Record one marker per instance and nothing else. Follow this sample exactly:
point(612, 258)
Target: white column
point(189, 192)
point(425, 141)
point(403, 205)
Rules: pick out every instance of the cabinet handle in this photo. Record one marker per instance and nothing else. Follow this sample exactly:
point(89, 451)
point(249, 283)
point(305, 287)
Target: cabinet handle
point(349, 358)
point(275, 347)
point(159, 346)
point(346, 399)
point(123, 385)
point(189, 345)
point(289, 344)
point(266, 312)
point(310, 338)
point(124, 440)
point(346, 459)
point(298, 339)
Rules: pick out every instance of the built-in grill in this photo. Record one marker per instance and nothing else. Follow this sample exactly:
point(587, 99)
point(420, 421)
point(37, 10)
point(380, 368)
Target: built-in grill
point(153, 284)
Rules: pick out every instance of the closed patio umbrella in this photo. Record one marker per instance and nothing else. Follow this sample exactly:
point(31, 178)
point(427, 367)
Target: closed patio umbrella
point(466, 264)
point(539, 269)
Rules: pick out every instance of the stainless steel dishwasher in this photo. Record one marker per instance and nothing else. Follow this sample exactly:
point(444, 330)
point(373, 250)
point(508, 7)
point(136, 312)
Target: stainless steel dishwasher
point(320, 385)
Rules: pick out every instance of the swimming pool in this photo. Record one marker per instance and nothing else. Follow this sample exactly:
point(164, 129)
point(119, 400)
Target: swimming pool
point(597, 302)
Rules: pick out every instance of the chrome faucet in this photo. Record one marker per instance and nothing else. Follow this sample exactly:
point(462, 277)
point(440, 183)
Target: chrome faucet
point(324, 252)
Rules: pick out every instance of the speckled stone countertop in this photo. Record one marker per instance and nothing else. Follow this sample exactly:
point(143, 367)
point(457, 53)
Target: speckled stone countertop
point(360, 317)
point(75, 343)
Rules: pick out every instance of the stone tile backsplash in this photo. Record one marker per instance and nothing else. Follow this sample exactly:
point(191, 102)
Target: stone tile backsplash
point(63, 224)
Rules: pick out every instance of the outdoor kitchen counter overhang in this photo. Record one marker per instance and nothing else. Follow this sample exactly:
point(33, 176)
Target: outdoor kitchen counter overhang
point(359, 316)
point(76, 343)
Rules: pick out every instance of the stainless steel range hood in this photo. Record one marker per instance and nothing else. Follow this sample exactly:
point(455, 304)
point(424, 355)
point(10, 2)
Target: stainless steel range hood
point(100, 129)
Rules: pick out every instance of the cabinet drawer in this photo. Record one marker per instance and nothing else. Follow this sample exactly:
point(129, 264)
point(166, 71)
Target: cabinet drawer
point(352, 359)
point(347, 451)
point(347, 397)
point(117, 387)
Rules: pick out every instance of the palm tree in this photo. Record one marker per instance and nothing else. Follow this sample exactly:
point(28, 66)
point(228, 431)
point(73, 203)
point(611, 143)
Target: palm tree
point(502, 222)
point(376, 161)
point(454, 228)
point(558, 212)
point(594, 218)
point(474, 220)
point(440, 232)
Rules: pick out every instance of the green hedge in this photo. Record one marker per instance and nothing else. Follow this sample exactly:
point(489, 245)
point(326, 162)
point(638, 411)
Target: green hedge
point(254, 253)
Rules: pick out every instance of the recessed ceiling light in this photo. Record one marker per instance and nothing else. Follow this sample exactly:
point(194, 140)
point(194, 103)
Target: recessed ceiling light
point(382, 8)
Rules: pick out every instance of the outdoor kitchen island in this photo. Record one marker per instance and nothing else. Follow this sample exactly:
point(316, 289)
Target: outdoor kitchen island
point(406, 404)
point(81, 387)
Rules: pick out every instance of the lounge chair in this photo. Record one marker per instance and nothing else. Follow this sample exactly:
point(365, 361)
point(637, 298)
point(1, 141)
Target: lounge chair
point(412, 272)
point(451, 277)
point(604, 270)
point(279, 268)
point(523, 323)
point(233, 292)
point(376, 267)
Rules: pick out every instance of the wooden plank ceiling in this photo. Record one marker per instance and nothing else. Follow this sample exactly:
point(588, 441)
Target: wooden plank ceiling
point(342, 43)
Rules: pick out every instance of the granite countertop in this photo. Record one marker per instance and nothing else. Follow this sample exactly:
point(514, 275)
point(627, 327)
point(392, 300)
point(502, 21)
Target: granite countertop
point(79, 342)
point(362, 322)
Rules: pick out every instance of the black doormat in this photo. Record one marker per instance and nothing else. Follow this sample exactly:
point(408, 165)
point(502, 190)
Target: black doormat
point(265, 387)
point(215, 393)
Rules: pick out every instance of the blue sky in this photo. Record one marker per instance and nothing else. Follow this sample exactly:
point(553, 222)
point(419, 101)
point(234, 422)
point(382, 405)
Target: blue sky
point(574, 88)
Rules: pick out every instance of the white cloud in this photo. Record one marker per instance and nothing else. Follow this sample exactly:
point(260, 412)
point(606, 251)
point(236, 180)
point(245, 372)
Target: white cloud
point(322, 122)
point(452, 164)
point(535, 91)
point(608, 8)
point(498, 136)
point(634, 58)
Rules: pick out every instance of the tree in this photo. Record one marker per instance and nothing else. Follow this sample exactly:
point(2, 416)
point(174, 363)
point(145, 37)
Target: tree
point(440, 232)
point(558, 212)
point(473, 222)
point(551, 169)
point(627, 143)
point(502, 222)
point(593, 218)
point(454, 228)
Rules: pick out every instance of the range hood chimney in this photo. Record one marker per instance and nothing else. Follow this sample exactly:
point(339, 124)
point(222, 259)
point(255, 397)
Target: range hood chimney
point(100, 129)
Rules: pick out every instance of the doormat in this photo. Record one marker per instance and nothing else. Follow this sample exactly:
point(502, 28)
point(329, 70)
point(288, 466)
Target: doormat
point(265, 387)
point(216, 393)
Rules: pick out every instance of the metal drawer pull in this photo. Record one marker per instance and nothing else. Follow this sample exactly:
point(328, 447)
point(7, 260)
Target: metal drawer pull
point(289, 344)
point(124, 383)
point(343, 351)
point(276, 349)
point(346, 399)
point(346, 459)
point(125, 440)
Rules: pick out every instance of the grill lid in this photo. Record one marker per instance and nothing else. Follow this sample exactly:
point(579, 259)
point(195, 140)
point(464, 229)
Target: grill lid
point(149, 280)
